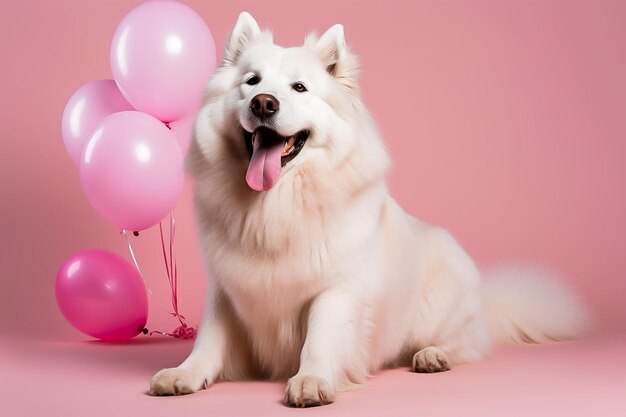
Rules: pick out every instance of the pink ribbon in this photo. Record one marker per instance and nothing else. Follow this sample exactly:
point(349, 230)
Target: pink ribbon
point(183, 331)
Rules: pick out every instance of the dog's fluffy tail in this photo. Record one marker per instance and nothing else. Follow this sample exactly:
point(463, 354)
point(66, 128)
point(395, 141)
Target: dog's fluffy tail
point(528, 305)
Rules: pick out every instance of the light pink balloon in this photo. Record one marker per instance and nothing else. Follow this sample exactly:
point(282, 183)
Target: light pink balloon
point(91, 103)
point(183, 132)
point(162, 55)
point(102, 295)
point(132, 170)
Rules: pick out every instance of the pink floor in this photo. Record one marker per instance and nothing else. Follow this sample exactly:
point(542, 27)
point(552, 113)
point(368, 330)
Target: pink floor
point(88, 378)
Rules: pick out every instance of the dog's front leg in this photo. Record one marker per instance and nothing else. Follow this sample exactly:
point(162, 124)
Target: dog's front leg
point(205, 362)
point(332, 331)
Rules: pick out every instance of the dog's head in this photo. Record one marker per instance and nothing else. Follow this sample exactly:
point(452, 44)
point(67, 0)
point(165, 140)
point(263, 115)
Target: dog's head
point(285, 112)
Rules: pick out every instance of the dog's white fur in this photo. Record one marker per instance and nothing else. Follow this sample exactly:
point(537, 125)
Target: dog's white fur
point(324, 279)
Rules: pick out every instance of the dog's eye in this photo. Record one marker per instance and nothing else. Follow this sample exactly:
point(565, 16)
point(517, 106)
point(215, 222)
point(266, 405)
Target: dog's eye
point(254, 80)
point(299, 87)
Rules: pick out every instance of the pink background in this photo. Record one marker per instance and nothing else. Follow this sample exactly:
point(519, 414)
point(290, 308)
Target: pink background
point(506, 121)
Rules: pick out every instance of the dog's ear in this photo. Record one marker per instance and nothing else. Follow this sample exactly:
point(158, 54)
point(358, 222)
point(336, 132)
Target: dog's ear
point(335, 55)
point(246, 29)
point(331, 48)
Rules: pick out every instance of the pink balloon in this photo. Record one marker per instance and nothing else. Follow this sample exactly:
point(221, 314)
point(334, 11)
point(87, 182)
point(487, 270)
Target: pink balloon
point(91, 103)
point(132, 170)
point(102, 295)
point(183, 132)
point(162, 55)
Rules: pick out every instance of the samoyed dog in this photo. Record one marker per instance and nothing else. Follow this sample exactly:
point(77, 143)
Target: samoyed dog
point(317, 276)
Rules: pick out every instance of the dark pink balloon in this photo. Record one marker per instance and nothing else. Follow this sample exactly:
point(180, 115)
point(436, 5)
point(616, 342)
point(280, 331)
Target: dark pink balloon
point(162, 55)
point(132, 170)
point(91, 103)
point(102, 295)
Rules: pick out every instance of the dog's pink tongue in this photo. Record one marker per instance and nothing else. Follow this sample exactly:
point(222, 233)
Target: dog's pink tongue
point(265, 164)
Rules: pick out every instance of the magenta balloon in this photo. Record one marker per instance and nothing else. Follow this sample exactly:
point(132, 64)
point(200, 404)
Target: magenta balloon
point(91, 103)
point(183, 132)
point(162, 55)
point(102, 295)
point(132, 170)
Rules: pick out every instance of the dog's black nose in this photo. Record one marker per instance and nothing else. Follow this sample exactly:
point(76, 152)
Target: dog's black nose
point(264, 105)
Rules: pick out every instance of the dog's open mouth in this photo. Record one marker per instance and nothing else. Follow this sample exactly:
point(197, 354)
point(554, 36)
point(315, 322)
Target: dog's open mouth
point(269, 152)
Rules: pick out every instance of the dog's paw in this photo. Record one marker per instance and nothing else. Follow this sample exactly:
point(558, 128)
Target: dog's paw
point(177, 381)
point(429, 360)
point(308, 391)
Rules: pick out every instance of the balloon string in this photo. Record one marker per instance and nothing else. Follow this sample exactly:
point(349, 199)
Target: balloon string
point(183, 331)
point(132, 255)
point(173, 268)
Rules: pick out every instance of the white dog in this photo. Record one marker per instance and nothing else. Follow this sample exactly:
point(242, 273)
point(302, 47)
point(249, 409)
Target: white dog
point(316, 273)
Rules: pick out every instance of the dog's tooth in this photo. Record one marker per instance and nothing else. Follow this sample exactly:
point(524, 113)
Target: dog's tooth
point(288, 146)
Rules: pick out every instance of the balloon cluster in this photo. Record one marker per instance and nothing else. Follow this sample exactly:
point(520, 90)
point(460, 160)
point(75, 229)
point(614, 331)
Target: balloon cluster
point(128, 137)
